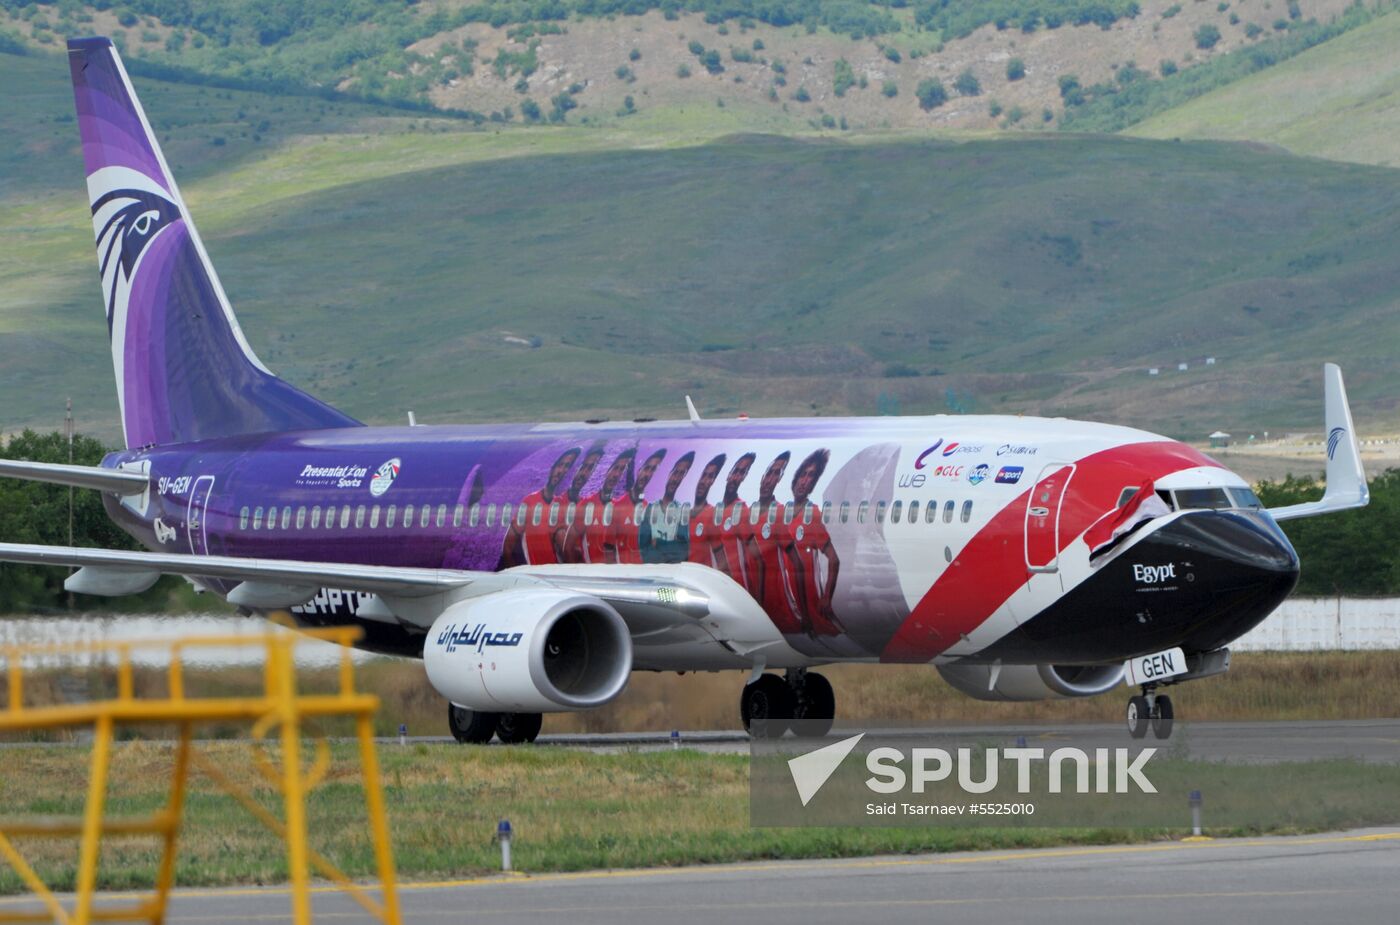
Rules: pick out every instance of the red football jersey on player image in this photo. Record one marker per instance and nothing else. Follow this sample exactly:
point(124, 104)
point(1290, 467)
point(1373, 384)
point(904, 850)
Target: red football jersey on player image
point(703, 535)
point(622, 534)
point(539, 544)
point(733, 535)
point(808, 540)
point(772, 536)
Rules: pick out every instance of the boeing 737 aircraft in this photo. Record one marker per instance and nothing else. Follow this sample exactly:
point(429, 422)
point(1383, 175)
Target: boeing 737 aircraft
point(534, 567)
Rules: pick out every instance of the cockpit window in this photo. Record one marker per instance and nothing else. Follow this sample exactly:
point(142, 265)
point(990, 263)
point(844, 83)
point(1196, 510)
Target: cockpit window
point(1126, 496)
point(1197, 499)
point(1246, 499)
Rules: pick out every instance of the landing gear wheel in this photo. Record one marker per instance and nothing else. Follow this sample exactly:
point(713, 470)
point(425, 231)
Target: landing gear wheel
point(518, 728)
point(1137, 716)
point(471, 726)
point(815, 708)
point(767, 707)
point(1162, 717)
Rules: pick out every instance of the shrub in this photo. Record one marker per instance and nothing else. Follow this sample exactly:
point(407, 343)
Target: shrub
point(802, 96)
point(828, 121)
point(993, 109)
point(1047, 114)
point(844, 77)
point(683, 71)
point(1168, 68)
point(1252, 30)
point(623, 72)
point(1015, 69)
point(1171, 11)
point(931, 93)
point(1015, 114)
point(696, 48)
point(634, 55)
point(127, 19)
point(890, 89)
point(758, 44)
point(892, 53)
point(530, 110)
point(742, 55)
point(712, 62)
point(1207, 36)
point(967, 84)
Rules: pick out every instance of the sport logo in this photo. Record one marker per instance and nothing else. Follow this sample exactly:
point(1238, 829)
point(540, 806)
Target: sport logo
point(979, 474)
point(384, 478)
point(919, 463)
point(1010, 475)
point(1333, 440)
point(1152, 574)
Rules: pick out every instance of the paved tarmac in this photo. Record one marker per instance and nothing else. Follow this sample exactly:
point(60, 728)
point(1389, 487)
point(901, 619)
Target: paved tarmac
point(1346, 877)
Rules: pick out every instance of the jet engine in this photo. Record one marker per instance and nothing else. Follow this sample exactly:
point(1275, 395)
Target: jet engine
point(1032, 682)
point(535, 650)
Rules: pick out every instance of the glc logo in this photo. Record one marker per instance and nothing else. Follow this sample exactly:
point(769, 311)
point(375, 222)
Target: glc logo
point(1152, 574)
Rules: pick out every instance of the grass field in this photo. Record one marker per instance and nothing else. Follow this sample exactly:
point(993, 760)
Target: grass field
point(384, 271)
point(1259, 686)
point(570, 811)
point(1340, 100)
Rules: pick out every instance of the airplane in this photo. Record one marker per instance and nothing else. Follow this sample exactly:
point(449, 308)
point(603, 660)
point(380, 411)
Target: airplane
point(534, 567)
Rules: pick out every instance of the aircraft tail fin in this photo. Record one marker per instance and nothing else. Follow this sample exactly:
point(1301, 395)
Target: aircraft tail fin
point(184, 370)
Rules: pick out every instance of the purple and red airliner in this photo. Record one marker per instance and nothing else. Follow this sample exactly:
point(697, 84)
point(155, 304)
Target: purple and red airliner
point(533, 567)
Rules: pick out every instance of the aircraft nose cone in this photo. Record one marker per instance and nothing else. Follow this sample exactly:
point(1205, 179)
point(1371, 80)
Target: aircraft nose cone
point(1235, 568)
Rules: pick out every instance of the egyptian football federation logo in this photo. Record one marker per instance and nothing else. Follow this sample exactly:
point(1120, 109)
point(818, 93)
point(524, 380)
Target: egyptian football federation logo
point(384, 477)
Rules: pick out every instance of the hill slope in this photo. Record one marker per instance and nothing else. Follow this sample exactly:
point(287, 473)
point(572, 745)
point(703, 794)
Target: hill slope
point(416, 269)
point(1340, 100)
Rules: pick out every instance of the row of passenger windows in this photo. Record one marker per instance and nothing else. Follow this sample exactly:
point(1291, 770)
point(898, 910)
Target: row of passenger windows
point(315, 518)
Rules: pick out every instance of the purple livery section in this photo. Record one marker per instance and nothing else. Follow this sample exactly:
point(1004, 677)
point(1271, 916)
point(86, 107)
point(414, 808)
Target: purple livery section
point(184, 370)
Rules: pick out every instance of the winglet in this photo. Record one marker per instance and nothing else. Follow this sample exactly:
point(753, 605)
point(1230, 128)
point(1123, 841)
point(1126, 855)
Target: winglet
point(690, 406)
point(1346, 479)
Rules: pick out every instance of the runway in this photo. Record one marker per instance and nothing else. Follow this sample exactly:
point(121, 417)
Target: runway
point(1345, 877)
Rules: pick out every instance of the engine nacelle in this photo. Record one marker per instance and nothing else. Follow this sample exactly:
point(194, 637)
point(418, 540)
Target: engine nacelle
point(529, 651)
point(1032, 682)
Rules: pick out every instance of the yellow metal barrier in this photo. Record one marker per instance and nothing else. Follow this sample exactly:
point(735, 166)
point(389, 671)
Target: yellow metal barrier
point(280, 706)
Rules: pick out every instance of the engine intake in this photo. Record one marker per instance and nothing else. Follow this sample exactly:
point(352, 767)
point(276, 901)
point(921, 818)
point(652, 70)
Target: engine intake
point(1032, 682)
point(534, 650)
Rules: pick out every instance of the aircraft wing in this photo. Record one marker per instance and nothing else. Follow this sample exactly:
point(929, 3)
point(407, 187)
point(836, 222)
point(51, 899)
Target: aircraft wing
point(120, 481)
point(113, 563)
point(1346, 479)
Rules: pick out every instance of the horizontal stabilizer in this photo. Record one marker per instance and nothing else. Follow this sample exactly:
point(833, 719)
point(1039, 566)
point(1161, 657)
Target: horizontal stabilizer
point(1346, 479)
point(113, 480)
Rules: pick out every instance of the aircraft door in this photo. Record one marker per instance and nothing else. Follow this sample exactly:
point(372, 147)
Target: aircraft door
point(194, 517)
point(1043, 517)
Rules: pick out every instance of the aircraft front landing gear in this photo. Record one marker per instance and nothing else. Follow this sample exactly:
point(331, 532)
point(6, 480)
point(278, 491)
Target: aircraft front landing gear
point(1150, 709)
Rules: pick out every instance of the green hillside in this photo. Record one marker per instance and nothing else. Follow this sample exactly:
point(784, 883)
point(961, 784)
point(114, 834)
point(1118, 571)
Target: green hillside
point(513, 273)
point(1340, 100)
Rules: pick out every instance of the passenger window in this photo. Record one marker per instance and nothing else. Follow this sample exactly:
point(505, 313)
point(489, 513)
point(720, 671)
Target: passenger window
point(473, 517)
point(788, 510)
point(895, 510)
point(685, 514)
point(315, 516)
point(457, 516)
point(554, 513)
point(569, 513)
point(588, 515)
point(521, 515)
point(755, 513)
point(345, 517)
point(286, 517)
point(826, 512)
point(427, 513)
point(374, 517)
point(360, 517)
point(441, 520)
point(967, 511)
point(257, 518)
point(931, 512)
point(640, 513)
point(879, 512)
point(506, 511)
point(719, 515)
point(608, 512)
point(807, 512)
point(845, 511)
point(243, 519)
point(301, 517)
point(948, 512)
point(408, 516)
point(490, 515)
point(537, 515)
point(913, 512)
point(861, 511)
point(391, 516)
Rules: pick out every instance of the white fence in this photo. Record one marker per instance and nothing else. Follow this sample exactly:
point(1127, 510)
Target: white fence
point(1313, 623)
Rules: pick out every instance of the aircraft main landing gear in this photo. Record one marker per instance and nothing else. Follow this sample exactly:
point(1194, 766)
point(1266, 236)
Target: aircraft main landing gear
point(474, 727)
point(802, 701)
point(1150, 709)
